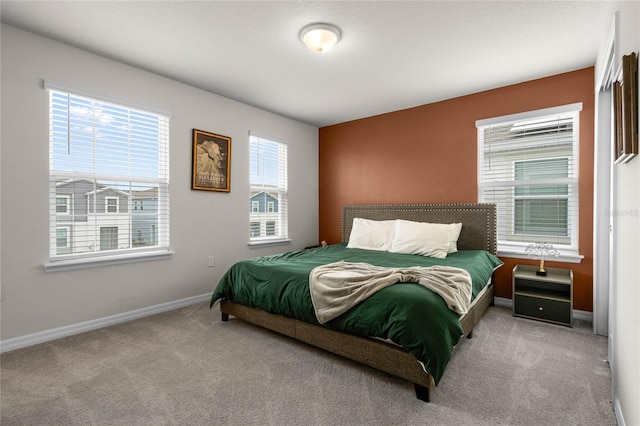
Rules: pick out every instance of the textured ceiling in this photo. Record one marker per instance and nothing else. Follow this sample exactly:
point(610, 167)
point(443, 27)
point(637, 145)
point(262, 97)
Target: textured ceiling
point(393, 55)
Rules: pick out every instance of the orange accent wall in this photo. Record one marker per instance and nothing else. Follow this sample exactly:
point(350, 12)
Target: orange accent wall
point(428, 154)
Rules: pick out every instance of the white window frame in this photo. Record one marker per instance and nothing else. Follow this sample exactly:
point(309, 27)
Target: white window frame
point(91, 257)
point(516, 249)
point(255, 207)
point(280, 189)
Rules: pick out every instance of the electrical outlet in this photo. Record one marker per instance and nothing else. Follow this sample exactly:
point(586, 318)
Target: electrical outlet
point(211, 262)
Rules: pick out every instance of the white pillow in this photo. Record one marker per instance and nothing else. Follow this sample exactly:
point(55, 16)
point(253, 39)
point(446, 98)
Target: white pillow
point(371, 234)
point(426, 239)
point(454, 234)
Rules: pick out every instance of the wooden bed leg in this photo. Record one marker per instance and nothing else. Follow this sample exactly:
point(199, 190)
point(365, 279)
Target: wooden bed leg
point(225, 317)
point(422, 393)
point(470, 335)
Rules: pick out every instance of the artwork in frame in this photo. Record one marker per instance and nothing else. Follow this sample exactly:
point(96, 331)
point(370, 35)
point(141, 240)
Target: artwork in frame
point(211, 169)
point(625, 111)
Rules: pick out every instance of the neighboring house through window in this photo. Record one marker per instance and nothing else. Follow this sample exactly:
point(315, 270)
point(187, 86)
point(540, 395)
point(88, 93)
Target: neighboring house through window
point(107, 159)
point(528, 167)
point(269, 193)
point(542, 210)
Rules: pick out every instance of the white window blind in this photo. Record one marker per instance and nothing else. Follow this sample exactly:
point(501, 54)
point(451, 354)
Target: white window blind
point(528, 167)
point(106, 159)
point(269, 194)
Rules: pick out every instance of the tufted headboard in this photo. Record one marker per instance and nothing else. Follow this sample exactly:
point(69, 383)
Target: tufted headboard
point(478, 220)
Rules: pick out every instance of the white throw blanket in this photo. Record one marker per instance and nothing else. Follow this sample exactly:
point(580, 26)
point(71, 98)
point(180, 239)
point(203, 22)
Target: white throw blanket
point(337, 287)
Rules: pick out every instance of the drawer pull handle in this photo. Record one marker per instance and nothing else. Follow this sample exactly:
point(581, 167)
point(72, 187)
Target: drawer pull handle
point(540, 308)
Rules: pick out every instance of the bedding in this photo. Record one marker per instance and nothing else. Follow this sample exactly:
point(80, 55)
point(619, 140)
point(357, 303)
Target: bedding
point(337, 287)
point(410, 315)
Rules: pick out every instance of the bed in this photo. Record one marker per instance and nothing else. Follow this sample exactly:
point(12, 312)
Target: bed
point(273, 292)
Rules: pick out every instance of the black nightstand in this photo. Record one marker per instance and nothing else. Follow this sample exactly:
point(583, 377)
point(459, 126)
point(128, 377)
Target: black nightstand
point(545, 298)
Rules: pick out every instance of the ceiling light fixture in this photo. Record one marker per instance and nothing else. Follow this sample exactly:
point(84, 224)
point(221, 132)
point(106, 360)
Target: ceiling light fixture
point(320, 37)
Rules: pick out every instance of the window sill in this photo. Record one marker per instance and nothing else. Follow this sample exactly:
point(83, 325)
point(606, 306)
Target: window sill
point(65, 265)
point(563, 257)
point(273, 242)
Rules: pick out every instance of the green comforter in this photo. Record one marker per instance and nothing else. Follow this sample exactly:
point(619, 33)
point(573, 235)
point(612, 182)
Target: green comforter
point(409, 314)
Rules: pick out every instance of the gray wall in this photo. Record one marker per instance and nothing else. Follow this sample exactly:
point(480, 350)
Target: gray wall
point(202, 223)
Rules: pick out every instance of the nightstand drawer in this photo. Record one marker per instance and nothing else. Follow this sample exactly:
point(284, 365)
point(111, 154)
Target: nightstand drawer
point(544, 309)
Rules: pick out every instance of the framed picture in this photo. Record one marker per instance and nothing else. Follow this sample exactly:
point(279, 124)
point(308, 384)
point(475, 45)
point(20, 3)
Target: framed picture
point(211, 167)
point(625, 111)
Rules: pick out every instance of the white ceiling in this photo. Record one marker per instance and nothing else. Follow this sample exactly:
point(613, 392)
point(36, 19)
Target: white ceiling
point(393, 55)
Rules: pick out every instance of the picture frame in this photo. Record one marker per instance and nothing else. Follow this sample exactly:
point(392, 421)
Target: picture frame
point(211, 165)
point(625, 111)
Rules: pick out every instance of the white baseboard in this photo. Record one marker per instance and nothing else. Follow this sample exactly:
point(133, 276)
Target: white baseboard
point(68, 330)
point(618, 410)
point(581, 315)
point(501, 301)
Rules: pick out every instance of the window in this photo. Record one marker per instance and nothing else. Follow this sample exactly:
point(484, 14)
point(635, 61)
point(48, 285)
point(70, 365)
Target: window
point(271, 228)
point(105, 159)
point(255, 229)
point(255, 206)
point(62, 239)
point(112, 205)
point(63, 204)
point(108, 238)
point(268, 174)
point(528, 167)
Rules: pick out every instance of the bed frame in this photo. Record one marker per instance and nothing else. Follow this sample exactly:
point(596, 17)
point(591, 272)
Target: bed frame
point(478, 233)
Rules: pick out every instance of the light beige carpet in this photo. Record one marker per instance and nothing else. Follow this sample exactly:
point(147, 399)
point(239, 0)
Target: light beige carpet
point(186, 367)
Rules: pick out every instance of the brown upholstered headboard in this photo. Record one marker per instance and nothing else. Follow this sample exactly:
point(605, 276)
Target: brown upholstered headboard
point(478, 220)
